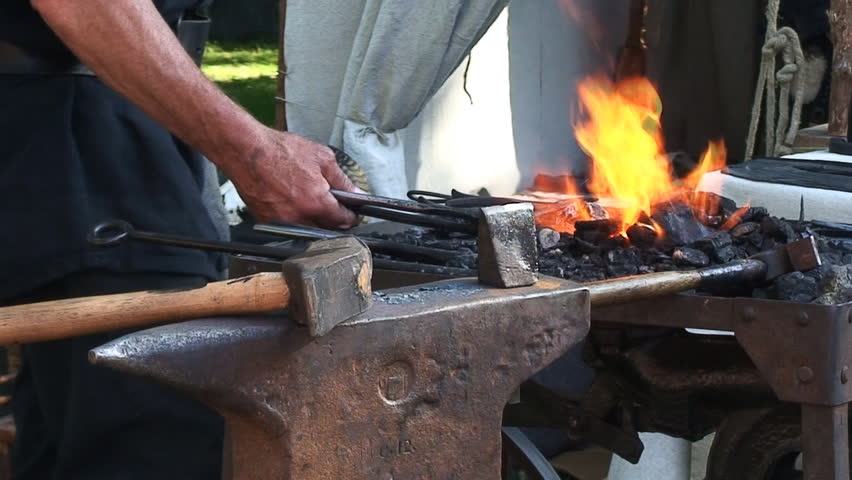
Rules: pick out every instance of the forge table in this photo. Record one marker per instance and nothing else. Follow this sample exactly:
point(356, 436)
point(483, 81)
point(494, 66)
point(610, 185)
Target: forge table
point(775, 387)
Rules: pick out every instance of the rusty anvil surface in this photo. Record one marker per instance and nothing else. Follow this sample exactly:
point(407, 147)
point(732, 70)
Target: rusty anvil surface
point(412, 389)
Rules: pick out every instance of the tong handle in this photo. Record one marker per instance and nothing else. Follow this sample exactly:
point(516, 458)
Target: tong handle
point(415, 252)
point(358, 201)
point(113, 232)
point(424, 196)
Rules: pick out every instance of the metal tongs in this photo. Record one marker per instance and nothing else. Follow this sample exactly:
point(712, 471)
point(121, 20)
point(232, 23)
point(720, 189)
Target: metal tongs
point(458, 199)
point(455, 212)
point(424, 214)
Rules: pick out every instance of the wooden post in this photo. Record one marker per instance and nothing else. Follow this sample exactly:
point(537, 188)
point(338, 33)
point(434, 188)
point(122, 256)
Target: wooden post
point(841, 74)
point(280, 106)
point(818, 137)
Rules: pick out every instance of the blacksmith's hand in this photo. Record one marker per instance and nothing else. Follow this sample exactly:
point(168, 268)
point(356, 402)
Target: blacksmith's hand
point(287, 178)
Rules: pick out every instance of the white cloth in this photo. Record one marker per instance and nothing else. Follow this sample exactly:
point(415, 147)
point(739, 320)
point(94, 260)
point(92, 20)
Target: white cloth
point(381, 155)
point(395, 55)
point(468, 142)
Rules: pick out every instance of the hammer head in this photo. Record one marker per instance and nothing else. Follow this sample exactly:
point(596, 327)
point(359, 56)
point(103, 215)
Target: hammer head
point(508, 252)
point(329, 283)
point(801, 255)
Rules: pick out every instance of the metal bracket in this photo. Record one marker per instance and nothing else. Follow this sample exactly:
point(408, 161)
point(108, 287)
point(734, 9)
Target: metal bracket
point(803, 353)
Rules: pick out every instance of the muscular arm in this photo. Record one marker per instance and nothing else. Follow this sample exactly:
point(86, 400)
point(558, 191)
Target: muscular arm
point(128, 45)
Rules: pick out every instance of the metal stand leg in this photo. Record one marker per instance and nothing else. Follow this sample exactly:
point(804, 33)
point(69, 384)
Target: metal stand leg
point(825, 442)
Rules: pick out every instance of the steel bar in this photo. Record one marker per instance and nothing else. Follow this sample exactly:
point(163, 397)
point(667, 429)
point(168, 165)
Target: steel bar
point(112, 233)
point(419, 219)
point(415, 267)
point(383, 278)
point(832, 228)
point(825, 442)
point(402, 250)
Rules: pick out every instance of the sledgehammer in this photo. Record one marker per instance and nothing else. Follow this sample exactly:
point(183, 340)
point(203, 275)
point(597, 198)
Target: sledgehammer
point(327, 284)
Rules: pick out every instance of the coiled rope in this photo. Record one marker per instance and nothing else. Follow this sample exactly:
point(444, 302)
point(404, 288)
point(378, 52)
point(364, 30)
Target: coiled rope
point(780, 135)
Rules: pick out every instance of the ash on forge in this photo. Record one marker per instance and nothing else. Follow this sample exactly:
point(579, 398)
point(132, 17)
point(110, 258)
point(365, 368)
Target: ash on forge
point(632, 216)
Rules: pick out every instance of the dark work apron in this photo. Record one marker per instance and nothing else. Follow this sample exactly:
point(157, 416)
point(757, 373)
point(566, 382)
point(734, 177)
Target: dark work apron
point(73, 153)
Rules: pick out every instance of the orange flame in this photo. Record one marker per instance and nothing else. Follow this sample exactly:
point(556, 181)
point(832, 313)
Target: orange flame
point(714, 158)
point(623, 137)
point(622, 134)
point(735, 218)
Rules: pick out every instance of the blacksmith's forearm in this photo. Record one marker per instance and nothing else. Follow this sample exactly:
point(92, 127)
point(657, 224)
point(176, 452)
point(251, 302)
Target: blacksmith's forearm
point(281, 176)
point(129, 46)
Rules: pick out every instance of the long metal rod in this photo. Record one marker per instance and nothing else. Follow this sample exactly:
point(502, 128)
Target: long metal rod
point(398, 266)
point(113, 232)
point(419, 219)
point(414, 252)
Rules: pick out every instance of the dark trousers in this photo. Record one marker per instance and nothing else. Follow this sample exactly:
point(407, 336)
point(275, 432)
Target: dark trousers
point(77, 421)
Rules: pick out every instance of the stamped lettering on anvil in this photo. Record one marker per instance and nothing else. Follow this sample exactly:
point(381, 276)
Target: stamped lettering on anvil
point(395, 449)
point(387, 449)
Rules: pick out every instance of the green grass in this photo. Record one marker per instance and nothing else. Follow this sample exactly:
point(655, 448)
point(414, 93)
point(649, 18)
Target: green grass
point(247, 73)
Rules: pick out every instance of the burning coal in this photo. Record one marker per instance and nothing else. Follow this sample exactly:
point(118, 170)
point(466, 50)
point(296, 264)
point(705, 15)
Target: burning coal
point(631, 177)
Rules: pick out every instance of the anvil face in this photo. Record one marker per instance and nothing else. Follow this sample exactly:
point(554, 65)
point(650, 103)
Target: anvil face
point(412, 389)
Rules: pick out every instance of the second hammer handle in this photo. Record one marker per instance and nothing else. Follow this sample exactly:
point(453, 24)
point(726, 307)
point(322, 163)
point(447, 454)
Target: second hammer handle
point(38, 322)
point(641, 287)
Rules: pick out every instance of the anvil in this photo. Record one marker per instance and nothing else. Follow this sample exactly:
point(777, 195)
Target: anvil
point(412, 389)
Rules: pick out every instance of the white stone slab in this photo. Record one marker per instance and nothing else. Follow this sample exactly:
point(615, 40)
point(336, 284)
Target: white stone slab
point(784, 200)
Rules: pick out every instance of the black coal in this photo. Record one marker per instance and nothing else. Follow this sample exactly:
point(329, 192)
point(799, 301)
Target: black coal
point(594, 252)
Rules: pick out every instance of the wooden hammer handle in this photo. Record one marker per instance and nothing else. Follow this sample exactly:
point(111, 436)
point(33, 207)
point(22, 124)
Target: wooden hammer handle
point(38, 322)
point(641, 287)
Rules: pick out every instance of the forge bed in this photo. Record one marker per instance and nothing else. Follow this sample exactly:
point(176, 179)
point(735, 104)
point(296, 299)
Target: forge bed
point(772, 381)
